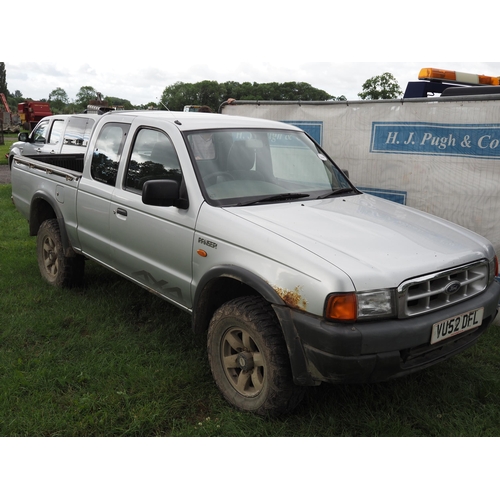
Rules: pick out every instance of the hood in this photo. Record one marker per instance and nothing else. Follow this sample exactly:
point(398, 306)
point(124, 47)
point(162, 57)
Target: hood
point(15, 145)
point(376, 243)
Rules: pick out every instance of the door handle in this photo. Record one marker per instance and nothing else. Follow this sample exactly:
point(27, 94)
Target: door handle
point(122, 212)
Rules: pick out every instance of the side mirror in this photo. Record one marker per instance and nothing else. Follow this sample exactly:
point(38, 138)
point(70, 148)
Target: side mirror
point(163, 193)
point(23, 137)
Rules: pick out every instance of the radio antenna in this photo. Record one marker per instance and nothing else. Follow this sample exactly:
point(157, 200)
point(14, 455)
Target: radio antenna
point(177, 122)
point(165, 106)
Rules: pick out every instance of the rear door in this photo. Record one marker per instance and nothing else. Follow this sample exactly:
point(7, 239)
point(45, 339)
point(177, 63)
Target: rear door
point(95, 191)
point(153, 245)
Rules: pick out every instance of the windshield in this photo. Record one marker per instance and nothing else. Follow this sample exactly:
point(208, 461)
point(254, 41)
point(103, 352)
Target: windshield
point(243, 167)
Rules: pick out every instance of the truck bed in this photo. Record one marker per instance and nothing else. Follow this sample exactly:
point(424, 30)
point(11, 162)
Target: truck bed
point(72, 162)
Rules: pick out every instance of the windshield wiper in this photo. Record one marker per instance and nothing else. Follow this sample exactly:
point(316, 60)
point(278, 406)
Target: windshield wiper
point(337, 192)
point(276, 197)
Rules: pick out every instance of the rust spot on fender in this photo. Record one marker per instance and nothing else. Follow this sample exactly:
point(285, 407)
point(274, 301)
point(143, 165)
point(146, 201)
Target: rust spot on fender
point(292, 298)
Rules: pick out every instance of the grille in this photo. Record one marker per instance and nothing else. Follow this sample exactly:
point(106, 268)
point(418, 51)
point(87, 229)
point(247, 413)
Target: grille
point(430, 293)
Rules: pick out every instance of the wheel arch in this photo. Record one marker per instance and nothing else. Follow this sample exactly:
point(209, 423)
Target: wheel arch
point(43, 208)
point(223, 284)
point(14, 151)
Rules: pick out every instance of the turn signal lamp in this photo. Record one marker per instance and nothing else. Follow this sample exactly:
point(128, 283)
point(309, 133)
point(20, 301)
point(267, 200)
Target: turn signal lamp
point(342, 307)
point(457, 77)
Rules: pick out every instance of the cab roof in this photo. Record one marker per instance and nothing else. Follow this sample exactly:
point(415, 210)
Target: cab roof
point(200, 121)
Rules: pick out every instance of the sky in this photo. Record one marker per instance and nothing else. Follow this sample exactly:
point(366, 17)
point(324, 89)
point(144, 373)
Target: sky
point(143, 82)
point(134, 51)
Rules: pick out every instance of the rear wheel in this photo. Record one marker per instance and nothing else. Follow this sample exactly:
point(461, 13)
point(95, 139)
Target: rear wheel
point(54, 266)
point(249, 359)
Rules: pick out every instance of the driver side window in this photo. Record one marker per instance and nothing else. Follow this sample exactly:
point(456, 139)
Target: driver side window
point(40, 133)
point(153, 158)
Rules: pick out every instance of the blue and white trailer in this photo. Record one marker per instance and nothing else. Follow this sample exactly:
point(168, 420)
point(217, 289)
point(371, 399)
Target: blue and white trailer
point(439, 154)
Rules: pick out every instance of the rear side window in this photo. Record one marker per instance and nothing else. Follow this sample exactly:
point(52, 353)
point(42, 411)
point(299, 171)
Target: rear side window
point(108, 151)
point(78, 131)
point(56, 132)
point(153, 157)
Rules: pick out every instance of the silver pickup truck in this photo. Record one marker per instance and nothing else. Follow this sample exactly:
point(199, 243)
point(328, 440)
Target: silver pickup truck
point(293, 275)
point(55, 135)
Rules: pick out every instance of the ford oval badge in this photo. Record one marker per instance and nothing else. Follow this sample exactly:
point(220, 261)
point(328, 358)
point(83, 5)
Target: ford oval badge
point(453, 287)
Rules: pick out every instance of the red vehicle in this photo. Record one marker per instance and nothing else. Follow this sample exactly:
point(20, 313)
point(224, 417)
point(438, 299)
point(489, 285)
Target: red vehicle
point(31, 112)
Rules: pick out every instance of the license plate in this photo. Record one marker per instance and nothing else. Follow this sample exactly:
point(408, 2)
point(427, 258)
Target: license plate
point(457, 325)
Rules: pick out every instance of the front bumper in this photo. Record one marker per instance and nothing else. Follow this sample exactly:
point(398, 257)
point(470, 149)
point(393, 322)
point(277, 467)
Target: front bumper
point(363, 352)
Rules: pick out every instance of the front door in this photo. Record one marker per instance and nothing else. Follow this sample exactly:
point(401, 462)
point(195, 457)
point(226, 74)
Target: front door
point(152, 245)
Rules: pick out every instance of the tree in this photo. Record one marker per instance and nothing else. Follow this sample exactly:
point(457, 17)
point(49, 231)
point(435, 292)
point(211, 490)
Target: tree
point(300, 91)
point(178, 95)
point(3, 80)
point(149, 105)
point(58, 100)
point(273, 91)
point(384, 86)
point(213, 94)
point(59, 95)
point(118, 102)
point(84, 96)
point(210, 93)
point(14, 99)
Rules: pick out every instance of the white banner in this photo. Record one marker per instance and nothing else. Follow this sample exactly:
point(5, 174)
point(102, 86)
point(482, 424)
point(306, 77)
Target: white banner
point(439, 155)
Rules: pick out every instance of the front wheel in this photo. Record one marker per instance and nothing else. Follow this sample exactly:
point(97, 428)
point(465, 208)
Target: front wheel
point(249, 360)
point(54, 266)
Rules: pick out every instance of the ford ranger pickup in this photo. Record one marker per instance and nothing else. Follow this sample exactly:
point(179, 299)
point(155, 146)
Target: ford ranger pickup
point(293, 275)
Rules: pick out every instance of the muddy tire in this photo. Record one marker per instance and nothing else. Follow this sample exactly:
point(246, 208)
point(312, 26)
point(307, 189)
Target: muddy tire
point(55, 267)
point(249, 360)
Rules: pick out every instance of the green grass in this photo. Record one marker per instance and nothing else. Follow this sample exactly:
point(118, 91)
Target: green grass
point(111, 359)
point(4, 148)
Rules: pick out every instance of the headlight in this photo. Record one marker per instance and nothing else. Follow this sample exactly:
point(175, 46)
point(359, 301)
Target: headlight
point(360, 306)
